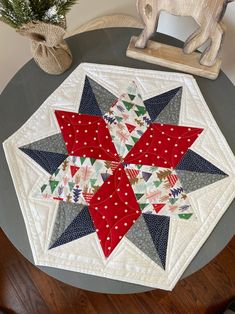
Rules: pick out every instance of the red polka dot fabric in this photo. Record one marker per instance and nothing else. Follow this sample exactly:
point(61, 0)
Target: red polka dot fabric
point(114, 210)
point(163, 145)
point(114, 207)
point(86, 136)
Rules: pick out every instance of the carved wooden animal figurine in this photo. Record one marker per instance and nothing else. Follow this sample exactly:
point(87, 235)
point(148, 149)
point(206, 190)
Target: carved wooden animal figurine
point(207, 13)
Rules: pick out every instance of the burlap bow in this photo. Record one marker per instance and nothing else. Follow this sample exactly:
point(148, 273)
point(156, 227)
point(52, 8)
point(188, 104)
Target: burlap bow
point(50, 51)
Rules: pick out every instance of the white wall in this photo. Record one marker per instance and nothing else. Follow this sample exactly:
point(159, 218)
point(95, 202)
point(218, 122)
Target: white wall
point(14, 49)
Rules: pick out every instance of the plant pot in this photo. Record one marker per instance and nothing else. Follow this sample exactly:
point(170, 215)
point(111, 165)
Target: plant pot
point(49, 49)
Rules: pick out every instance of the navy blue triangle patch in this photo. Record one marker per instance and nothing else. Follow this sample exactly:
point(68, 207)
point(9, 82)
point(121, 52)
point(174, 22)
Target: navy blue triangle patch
point(54, 143)
point(89, 104)
point(47, 160)
point(81, 226)
point(159, 229)
point(66, 213)
point(105, 99)
point(157, 103)
point(191, 161)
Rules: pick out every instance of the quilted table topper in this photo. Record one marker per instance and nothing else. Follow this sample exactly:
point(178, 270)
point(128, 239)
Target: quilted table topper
point(121, 173)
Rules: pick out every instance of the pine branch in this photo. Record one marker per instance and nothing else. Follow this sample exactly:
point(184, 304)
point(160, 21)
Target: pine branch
point(6, 5)
point(66, 6)
point(19, 12)
point(39, 7)
point(7, 13)
point(8, 20)
point(22, 11)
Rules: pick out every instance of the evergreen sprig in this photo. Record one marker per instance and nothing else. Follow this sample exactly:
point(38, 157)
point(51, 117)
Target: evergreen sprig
point(19, 12)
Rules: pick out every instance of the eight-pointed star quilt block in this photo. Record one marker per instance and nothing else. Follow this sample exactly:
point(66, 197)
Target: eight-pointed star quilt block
point(124, 134)
point(124, 175)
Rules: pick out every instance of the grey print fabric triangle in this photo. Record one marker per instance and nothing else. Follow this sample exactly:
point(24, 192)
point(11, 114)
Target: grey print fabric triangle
point(66, 213)
point(195, 172)
point(79, 226)
point(95, 100)
point(192, 181)
point(48, 152)
point(53, 144)
point(165, 108)
point(140, 236)
point(171, 113)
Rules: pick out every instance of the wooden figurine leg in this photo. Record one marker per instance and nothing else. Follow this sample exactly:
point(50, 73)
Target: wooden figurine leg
point(149, 13)
point(197, 39)
point(209, 56)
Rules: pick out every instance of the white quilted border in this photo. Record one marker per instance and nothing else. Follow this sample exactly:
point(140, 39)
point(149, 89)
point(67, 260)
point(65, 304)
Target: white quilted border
point(141, 269)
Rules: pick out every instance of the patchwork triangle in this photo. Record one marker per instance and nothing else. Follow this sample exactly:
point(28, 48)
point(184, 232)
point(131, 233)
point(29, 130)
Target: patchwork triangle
point(192, 181)
point(47, 160)
point(157, 103)
point(66, 213)
point(89, 104)
point(139, 235)
point(158, 227)
point(78, 227)
point(191, 161)
point(105, 99)
point(171, 113)
point(54, 143)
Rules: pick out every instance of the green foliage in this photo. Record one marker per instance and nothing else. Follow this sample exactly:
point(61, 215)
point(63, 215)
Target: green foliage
point(19, 12)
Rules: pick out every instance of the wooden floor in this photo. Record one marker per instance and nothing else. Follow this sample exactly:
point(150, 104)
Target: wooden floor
point(25, 289)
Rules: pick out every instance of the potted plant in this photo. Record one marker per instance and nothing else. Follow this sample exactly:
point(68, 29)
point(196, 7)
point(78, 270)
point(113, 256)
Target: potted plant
point(43, 22)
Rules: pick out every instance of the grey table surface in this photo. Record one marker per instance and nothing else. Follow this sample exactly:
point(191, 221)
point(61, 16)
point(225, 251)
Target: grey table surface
point(31, 86)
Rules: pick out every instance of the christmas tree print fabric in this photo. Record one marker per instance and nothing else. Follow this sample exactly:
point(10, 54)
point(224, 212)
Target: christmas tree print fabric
point(122, 174)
